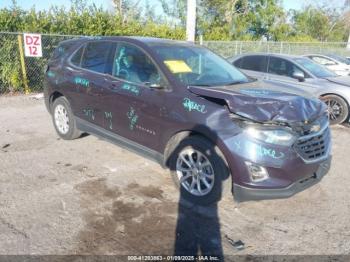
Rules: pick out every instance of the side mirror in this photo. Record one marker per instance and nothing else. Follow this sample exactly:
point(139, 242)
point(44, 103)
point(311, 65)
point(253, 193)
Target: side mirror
point(299, 76)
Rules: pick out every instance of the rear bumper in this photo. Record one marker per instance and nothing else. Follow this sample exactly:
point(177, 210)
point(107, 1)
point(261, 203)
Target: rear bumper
point(242, 193)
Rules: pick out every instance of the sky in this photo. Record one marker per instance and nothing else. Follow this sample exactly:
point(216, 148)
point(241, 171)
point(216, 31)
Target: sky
point(44, 4)
point(293, 4)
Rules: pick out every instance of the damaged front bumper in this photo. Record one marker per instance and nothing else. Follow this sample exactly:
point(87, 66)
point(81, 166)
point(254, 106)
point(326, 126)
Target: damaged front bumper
point(242, 193)
point(282, 171)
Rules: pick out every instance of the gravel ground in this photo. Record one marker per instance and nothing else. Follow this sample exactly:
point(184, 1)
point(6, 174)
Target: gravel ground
point(89, 196)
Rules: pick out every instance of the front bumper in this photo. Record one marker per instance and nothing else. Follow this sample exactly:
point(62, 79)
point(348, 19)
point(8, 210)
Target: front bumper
point(242, 193)
point(290, 169)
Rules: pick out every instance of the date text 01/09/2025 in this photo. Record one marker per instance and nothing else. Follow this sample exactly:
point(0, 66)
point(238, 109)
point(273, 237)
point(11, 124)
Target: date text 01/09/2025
point(173, 258)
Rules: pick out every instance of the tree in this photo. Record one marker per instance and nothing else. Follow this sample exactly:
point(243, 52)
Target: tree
point(127, 9)
point(323, 24)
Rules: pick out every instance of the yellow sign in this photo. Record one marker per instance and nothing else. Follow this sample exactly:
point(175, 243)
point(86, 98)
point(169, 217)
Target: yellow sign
point(178, 66)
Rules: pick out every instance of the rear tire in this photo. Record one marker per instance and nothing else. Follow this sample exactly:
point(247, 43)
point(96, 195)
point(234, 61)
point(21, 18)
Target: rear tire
point(338, 109)
point(199, 170)
point(64, 120)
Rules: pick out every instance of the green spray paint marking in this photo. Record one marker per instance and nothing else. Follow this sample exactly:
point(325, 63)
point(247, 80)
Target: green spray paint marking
point(81, 81)
point(51, 74)
point(108, 116)
point(61, 50)
point(89, 113)
point(238, 145)
point(132, 89)
point(193, 106)
point(132, 117)
point(264, 151)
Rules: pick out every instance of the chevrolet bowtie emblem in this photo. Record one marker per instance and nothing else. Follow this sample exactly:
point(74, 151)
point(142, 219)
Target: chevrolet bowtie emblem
point(315, 128)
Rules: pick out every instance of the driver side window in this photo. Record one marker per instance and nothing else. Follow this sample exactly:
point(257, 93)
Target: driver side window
point(279, 66)
point(133, 65)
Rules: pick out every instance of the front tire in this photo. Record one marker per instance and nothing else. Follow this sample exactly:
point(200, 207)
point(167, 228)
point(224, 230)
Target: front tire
point(198, 170)
point(338, 109)
point(63, 119)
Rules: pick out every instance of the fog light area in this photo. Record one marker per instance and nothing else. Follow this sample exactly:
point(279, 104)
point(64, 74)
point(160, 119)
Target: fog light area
point(256, 173)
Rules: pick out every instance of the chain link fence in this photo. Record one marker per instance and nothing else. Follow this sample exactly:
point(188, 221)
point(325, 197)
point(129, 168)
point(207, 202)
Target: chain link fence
point(12, 78)
point(233, 48)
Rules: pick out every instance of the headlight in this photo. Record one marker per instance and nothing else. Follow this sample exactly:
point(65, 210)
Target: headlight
point(272, 136)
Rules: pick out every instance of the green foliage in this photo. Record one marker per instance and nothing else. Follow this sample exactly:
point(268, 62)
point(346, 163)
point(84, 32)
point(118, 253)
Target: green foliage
point(322, 24)
point(10, 70)
point(80, 19)
point(84, 19)
point(217, 19)
point(223, 20)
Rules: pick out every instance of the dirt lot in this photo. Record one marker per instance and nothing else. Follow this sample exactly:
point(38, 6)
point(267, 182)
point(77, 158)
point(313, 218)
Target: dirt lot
point(88, 196)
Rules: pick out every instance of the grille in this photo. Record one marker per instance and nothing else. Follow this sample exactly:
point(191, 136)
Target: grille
point(314, 147)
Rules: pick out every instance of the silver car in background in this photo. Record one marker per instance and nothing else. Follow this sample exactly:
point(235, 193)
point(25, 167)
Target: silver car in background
point(338, 64)
point(301, 73)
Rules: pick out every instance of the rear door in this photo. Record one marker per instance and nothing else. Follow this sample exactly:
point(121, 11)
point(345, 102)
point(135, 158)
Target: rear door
point(89, 79)
point(253, 65)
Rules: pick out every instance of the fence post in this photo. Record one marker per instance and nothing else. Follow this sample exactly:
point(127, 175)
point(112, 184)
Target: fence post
point(200, 39)
point(281, 47)
point(23, 65)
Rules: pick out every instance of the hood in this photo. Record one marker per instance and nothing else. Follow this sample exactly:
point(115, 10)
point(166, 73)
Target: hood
point(263, 104)
point(340, 80)
point(278, 85)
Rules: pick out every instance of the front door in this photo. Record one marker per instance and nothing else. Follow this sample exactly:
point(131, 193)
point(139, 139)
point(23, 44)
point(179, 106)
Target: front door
point(136, 96)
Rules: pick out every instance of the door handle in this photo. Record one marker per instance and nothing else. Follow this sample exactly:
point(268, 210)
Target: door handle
point(114, 85)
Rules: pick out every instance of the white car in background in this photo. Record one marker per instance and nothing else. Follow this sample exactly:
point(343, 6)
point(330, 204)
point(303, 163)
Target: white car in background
point(339, 65)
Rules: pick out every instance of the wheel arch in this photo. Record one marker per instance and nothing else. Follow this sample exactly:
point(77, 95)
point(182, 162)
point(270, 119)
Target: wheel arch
point(175, 140)
point(54, 95)
point(342, 97)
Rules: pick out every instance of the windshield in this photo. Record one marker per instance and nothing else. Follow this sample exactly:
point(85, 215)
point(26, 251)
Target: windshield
point(340, 59)
point(315, 69)
point(198, 66)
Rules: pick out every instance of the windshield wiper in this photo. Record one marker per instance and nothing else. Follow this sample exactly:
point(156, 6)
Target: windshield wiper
point(236, 83)
point(202, 85)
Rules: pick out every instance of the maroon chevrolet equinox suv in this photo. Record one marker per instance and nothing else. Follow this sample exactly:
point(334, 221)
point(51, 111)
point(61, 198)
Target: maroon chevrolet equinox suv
point(193, 112)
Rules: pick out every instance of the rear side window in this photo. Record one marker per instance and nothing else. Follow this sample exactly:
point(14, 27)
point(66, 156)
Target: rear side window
point(238, 63)
point(254, 63)
point(61, 50)
point(76, 59)
point(96, 57)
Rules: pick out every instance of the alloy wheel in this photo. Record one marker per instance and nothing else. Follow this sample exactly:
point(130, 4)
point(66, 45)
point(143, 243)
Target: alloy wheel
point(334, 109)
point(195, 172)
point(61, 119)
